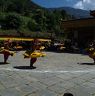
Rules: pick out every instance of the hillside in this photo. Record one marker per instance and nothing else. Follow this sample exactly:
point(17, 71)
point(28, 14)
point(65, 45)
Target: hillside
point(17, 5)
point(77, 13)
point(25, 18)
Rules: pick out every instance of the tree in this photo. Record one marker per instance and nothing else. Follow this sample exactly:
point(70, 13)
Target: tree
point(40, 19)
point(13, 21)
point(32, 25)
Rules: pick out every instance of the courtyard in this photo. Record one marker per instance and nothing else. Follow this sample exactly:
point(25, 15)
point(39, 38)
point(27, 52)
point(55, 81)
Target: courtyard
point(55, 74)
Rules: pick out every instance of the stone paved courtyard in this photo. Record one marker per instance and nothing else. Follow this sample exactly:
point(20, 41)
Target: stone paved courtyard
point(55, 74)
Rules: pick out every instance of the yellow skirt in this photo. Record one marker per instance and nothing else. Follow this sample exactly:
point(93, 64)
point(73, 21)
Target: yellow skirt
point(92, 55)
point(34, 55)
point(5, 51)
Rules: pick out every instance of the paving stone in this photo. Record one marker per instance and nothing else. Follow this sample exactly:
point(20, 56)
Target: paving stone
point(10, 92)
point(65, 76)
point(9, 83)
point(78, 80)
point(76, 74)
point(92, 80)
point(55, 74)
point(90, 87)
point(46, 92)
point(61, 86)
point(38, 85)
point(26, 89)
point(1, 86)
point(42, 75)
point(50, 81)
point(78, 91)
point(87, 77)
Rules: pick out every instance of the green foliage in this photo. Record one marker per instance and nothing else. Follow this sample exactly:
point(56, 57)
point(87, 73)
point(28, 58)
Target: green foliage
point(12, 21)
point(32, 25)
point(24, 15)
point(8, 32)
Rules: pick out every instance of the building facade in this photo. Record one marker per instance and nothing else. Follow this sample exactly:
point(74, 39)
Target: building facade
point(81, 30)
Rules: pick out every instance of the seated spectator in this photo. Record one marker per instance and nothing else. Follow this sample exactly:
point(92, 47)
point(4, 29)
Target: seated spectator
point(68, 94)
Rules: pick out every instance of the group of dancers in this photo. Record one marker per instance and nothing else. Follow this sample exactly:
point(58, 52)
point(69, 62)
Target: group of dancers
point(33, 54)
point(29, 53)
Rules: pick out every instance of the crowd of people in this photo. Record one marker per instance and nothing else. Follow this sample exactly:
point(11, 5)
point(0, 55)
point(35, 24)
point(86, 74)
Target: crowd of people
point(9, 47)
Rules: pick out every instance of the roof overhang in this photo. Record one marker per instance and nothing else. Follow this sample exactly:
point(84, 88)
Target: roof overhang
point(78, 23)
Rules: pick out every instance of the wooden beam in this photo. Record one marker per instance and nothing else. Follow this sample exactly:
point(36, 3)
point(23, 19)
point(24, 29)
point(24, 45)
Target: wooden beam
point(78, 23)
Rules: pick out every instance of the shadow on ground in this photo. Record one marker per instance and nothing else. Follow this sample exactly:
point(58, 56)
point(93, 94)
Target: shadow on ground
point(2, 63)
point(24, 67)
point(86, 63)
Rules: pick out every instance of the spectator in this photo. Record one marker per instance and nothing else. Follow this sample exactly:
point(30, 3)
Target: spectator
point(68, 94)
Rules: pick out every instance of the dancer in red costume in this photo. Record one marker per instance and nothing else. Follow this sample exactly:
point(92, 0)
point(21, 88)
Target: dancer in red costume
point(6, 51)
point(33, 48)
